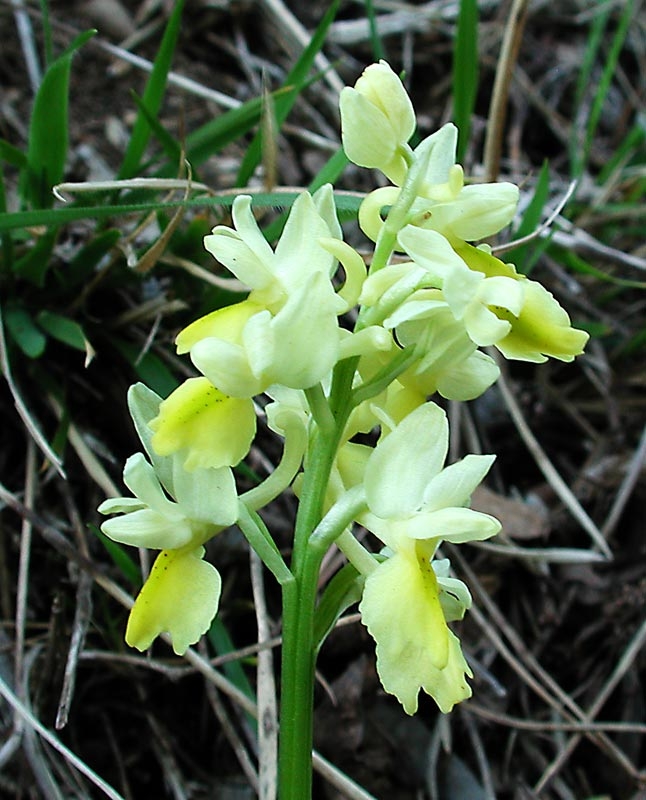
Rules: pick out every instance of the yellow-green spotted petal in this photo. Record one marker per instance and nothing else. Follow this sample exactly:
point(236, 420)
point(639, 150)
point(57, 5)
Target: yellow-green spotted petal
point(213, 429)
point(180, 598)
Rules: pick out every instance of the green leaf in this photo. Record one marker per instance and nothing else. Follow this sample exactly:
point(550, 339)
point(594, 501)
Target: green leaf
point(465, 72)
point(150, 369)
point(47, 31)
point(25, 333)
point(342, 591)
point(48, 130)
point(294, 82)
point(33, 265)
point(12, 155)
point(153, 95)
point(63, 329)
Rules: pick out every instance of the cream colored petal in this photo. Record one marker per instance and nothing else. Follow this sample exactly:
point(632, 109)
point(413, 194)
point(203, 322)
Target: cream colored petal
point(454, 525)
point(457, 482)
point(479, 211)
point(449, 685)
point(147, 528)
point(298, 253)
point(483, 326)
point(226, 365)
point(431, 251)
point(140, 477)
point(383, 87)
point(403, 463)
point(207, 496)
point(299, 345)
point(180, 598)
point(470, 378)
point(442, 146)
point(402, 611)
point(369, 139)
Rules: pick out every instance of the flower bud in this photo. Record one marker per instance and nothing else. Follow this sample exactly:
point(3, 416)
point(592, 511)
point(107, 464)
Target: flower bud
point(377, 120)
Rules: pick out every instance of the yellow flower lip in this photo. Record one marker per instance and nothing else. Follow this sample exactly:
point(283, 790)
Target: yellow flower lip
point(213, 429)
point(180, 598)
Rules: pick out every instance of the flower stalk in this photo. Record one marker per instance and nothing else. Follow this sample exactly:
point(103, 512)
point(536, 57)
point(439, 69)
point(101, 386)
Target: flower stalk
point(421, 319)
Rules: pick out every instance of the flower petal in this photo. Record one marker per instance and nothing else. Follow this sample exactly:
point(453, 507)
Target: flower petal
point(141, 478)
point(244, 251)
point(226, 365)
point(148, 528)
point(213, 429)
point(207, 495)
point(470, 378)
point(449, 686)
point(454, 525)
point(403, 463)
point(298, 253)
point(402, 611)
point(432, 251)
point(457, 482)
point(180, 597)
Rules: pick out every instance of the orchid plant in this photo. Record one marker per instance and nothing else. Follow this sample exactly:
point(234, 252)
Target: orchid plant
point(427, 303)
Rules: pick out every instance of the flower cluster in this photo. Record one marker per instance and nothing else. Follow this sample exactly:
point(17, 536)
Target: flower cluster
point(429, 301)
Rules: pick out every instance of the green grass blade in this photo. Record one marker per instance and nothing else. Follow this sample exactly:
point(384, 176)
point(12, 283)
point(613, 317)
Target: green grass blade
point(525, 255)
point(12, 155)
point(465, 72)
point(171, 147)
point(34, 264)
point(624, 152)
point(223, 645)
point(48, 130)
point(294, 81)
point(581, 139)
point(347, 206)
point(153, 95)
point(47, 32)
point(378, 50)
point(209, 139)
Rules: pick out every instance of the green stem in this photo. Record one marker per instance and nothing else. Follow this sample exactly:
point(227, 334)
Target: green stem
point(299, 601)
